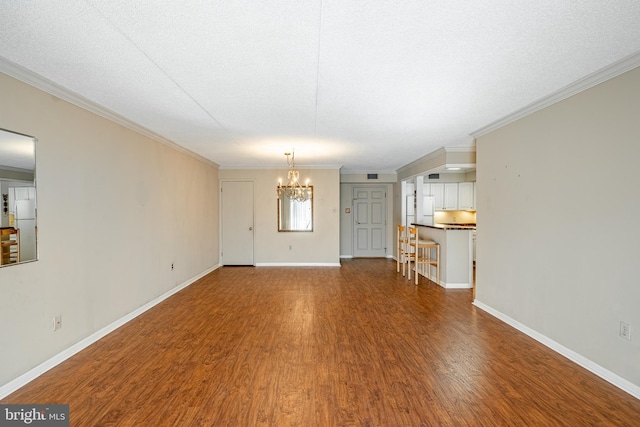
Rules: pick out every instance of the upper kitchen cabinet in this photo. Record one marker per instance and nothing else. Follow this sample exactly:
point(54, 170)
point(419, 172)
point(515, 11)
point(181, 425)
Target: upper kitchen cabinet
point(437, 191)
point(466, 193)
point(450, 196)
point(445, 195)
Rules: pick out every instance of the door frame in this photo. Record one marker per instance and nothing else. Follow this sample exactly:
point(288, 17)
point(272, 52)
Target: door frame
point(385, 188)
point(221, 216)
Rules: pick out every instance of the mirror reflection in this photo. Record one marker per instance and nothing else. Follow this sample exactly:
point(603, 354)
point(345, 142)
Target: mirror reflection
point(18, 227)
point(295, 215)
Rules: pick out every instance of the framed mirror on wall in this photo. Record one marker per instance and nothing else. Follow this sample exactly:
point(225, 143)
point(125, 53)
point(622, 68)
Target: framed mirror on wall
point(295, 214)
point(18, 222)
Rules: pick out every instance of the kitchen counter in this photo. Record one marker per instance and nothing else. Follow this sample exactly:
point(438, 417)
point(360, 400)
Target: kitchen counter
point(456, 252)
point(447, 226)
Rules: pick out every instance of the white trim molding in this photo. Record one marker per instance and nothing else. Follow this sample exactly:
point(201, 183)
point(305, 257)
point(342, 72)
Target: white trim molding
point(603, 373)
point(29, 77)
point(298, 264)
point(366, 172)
point(456, 285)
point(279, 167)
point(34, 373)
point(433, 155)
point(600, 76)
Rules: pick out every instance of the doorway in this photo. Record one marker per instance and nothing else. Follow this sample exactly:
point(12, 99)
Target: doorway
point(369, 222)
point(237, 223)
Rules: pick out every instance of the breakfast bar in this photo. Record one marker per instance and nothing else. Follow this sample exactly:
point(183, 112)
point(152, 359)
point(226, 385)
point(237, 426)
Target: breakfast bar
point(456, 252)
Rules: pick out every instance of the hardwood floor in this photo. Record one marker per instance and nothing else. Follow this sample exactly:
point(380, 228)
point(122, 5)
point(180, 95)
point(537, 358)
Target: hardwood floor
point(356, 345)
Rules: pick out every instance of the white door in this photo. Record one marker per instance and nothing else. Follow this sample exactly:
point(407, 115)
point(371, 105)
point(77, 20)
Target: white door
point(369, 222)
point(237, 223)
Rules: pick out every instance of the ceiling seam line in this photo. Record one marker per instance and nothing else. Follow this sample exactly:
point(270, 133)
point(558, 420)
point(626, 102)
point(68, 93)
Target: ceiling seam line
point(159, 67)
point(315, 117)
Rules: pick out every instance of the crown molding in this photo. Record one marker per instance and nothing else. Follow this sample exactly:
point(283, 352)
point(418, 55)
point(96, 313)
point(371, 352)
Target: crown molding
point(600, 76)
point(460, 149)
point(434, 154)
point(365, 172)
point(280, 167)
point(29, 77)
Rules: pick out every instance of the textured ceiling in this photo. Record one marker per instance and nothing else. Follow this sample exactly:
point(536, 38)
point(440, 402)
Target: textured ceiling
point(366, 85)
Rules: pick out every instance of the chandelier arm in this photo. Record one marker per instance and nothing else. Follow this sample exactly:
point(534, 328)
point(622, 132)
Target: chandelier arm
point(294, 190)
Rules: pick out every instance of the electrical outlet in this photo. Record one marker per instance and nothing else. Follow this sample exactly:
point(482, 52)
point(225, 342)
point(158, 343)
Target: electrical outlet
point(625, 330)
point(57, 322)
point(171, 266)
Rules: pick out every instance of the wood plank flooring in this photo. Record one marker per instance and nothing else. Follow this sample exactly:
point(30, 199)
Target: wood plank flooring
point(352, 346)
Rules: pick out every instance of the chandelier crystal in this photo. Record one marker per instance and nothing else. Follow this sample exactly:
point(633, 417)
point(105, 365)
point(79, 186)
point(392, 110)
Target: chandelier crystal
point(294, 190)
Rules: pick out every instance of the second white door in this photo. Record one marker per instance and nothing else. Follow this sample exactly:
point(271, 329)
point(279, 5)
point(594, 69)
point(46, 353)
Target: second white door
point(369, 222)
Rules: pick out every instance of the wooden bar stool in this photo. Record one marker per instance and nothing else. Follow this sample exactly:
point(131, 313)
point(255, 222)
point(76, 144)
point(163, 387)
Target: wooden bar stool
point(420, 253)
point(403, 246)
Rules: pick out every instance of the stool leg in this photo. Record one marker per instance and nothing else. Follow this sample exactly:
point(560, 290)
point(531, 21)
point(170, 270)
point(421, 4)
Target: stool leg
point(417, 255)
point(398, 254)
point(429, 261)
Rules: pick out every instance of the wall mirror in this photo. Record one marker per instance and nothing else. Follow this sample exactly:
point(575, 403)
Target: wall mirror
point(18, 227)
point(294, 215)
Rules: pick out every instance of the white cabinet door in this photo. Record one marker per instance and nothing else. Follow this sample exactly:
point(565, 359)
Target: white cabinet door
point(437, 191)
point(450, 196)
point(465, 196)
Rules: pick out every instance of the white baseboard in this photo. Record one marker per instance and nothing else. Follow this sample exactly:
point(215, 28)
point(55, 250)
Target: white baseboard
point(603, 373)
point(298, 264)
point(456, 285)
point(447, 285)
point(351, 256)
point(34, 373)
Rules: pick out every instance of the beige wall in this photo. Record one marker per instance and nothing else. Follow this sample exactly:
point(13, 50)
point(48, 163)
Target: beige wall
point(558, 198)
point(272, 247)
point(115, 210)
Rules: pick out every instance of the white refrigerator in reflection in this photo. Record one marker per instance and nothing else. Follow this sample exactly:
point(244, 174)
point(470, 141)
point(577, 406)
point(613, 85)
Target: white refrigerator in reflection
point(428, 209)
point(25, 220)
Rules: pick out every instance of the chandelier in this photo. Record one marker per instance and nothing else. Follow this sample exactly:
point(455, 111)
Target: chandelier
point(294, 190)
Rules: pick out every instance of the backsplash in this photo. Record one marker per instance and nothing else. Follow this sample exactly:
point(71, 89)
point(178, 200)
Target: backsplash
point(454, 217)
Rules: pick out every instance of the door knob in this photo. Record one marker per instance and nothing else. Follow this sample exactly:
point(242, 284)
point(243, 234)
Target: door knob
point(250, 228)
